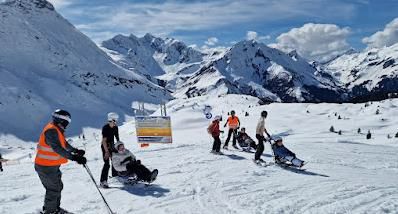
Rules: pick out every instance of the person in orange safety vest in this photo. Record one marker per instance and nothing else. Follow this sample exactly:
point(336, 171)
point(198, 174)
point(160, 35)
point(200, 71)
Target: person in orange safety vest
point(53, 151)
point(233, 126)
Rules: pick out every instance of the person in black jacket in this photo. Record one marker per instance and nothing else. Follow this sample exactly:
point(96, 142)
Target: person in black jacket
point(110, 131)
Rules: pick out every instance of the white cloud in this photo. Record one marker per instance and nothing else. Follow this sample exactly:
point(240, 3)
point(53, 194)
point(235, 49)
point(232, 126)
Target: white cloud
point(387, 37)
point(171, 16)
point(211, 41)
point(319, 42)
point(253, 35)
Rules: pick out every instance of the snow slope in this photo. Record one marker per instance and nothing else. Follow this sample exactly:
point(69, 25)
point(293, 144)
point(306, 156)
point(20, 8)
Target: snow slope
point(46, 63)
point(345, 174)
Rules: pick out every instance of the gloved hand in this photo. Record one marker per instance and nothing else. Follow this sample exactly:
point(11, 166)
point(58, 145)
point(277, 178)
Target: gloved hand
point(80, 152)
point(79, 159)
point(138, 161)
point(128, 159)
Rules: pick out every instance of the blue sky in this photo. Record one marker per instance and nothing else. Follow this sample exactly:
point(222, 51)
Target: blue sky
point(227, 21)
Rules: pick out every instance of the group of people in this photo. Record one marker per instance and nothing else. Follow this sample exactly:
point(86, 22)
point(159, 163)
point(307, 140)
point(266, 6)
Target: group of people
point(53, 150)
point(124, 162)
point(281, 153)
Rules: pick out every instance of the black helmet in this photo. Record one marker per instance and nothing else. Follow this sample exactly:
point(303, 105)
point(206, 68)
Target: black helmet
point(264, 114)
point(232, 112)
point(61, 117)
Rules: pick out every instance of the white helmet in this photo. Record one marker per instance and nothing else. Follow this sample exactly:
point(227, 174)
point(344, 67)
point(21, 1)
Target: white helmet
point(117, 144)
point(113, 116)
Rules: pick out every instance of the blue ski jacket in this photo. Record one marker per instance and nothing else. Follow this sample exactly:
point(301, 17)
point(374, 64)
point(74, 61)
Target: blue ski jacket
point(282, 151)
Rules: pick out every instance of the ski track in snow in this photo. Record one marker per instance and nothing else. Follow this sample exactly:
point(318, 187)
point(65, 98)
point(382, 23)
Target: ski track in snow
point(345, 174)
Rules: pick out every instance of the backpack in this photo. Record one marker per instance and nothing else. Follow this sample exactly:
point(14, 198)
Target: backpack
point(210, 128)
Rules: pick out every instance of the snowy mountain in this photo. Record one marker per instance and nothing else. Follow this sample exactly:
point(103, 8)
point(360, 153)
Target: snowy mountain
point(253, 68)
point(247, 68)
point(370, 74)
point(46, 63)
point(151, 56)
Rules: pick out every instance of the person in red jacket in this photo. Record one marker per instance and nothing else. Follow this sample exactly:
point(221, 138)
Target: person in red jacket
point(214, 130)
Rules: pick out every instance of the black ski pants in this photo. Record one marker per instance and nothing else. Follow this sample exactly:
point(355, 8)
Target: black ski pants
point(216, 143)
point(233, 132)
point(1, 164)
point(260, 147)
point(105, 168)
point(142, 173)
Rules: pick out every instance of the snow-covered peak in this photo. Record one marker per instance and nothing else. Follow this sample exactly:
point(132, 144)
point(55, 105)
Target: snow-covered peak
point(154, 57)
point(28, 5)
point(46, 63)
point(372, 72)
point(250, 67)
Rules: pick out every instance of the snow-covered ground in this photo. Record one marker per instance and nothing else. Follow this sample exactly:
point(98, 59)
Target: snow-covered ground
point(345, 174)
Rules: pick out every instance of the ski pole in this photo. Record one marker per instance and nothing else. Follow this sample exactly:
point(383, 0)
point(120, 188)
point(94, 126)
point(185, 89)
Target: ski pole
point(103, 198)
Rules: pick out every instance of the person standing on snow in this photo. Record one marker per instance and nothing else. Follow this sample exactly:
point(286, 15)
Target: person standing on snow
point(52, 151)
point(1, 164)
point(260, 130)
point(233, 126)
point(110, 131)
point(214, 130)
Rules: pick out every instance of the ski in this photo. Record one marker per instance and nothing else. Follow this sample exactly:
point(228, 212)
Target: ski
point(289, 165)
point(262, 163)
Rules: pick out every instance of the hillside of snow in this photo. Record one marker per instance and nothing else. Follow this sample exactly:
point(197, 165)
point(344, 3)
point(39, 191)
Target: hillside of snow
point(46, 63)
point(345, 173)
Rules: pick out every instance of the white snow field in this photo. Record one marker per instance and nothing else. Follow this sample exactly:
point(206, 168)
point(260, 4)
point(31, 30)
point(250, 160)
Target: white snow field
point(345, 174)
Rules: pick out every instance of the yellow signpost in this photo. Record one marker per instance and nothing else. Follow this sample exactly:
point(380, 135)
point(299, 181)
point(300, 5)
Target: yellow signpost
point(153, 129)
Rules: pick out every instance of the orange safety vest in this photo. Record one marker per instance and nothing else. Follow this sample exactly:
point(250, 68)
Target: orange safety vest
point(233, 122)
point(45, 155)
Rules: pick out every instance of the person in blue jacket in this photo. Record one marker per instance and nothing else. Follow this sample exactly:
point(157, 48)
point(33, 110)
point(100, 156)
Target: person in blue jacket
point(283, 154)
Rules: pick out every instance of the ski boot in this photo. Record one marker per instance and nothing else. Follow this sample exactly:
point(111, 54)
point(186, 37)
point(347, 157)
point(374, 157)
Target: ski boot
point(154, 174)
